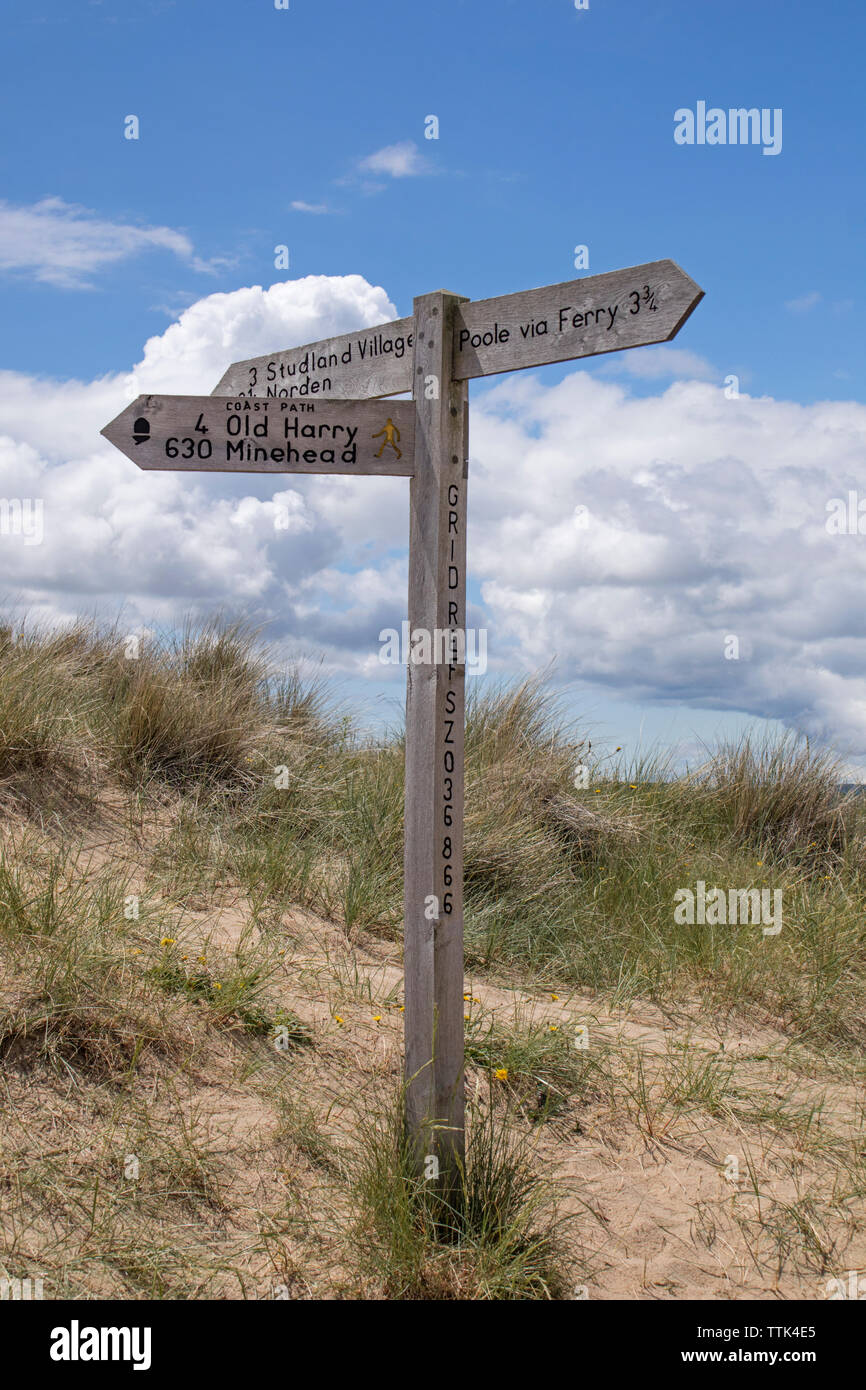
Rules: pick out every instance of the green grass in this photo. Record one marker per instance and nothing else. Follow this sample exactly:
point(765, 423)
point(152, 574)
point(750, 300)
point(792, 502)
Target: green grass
point(566, 882)
point(497, 1235)
point(542, 1064)
point(72, 992)
point(237, 996)
point(239, 783)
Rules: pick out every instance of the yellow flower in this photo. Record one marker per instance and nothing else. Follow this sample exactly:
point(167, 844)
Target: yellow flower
point(377, 1018)
point(167, 941)
point(502, 1074)
point(217, 985)
point(760, 863)
point(202, 960)
point(554, 996)
point(402, 1009)
point(618, 750)
point(633, 786)
point(554, 1027)
point(337, 1018)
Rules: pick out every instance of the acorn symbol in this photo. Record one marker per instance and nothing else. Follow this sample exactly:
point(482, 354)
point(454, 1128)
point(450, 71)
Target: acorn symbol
point(141, 430)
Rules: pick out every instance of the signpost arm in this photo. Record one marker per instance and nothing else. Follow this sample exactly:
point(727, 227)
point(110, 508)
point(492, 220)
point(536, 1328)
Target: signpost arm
point(433, 862)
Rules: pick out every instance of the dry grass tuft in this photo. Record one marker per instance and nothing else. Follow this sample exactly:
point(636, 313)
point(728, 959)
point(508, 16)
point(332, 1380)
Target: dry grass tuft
point(223, 1036)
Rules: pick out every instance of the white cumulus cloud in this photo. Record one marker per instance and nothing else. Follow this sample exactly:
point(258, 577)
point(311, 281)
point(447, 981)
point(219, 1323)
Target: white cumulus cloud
point(705, 518)
point(625, 537)
point(400, 161)
point(167, 542)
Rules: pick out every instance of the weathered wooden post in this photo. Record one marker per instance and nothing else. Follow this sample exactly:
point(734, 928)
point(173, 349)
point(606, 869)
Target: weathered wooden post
point(297, 412)
point(435, 681)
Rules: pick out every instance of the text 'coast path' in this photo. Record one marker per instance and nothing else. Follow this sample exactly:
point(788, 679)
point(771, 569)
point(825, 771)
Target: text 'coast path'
point(240, 435)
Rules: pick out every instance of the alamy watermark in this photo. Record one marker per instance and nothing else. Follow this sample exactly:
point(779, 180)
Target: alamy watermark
point(738, 906)
point(852, 1287)
point(23, 516)
point(77, 1343)
point(737, 126)
point(445, 646)
point(846, 516)
point(21, 1290)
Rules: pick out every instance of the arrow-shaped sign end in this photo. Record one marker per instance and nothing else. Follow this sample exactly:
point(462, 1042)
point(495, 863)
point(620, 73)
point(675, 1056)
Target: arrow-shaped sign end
point(129, 429)
point(696, 294)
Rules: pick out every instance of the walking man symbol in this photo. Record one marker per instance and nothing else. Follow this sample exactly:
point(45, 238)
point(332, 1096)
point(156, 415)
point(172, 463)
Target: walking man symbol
point(392, 434)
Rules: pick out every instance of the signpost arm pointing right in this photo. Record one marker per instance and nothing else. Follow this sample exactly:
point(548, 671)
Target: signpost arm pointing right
point(433, 862)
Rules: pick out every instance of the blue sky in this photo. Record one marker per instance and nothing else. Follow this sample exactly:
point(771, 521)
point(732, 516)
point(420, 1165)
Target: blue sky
point(555, 129)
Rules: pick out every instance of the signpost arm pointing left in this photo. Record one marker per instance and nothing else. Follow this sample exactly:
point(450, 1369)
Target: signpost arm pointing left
point(224, 434)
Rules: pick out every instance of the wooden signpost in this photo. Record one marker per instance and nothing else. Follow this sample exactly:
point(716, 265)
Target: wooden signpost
point(580, 318)
point(317, 409)
point(374, 362)
point(226, 435)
